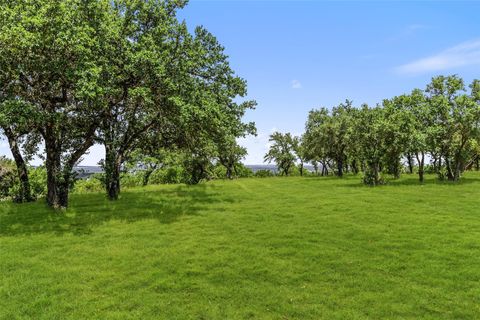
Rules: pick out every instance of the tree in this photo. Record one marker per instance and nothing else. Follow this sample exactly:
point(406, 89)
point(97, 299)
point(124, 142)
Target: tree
point(397, 131)
point(420, 120)
point(51, 54)
point(338, 133)
point(329, 135)
point(299, 150)
point(165, 81)
point(455, 127)
point(16, 121)
point(281, 152)
point(314, 147)
point(229, 155)
point(370, 134)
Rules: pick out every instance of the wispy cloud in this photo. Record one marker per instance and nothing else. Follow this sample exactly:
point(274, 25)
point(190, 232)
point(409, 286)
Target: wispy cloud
point(296, 84)
point(464, 54)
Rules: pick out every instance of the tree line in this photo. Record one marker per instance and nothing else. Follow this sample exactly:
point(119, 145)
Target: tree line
point(127, 74)
point(437, 128)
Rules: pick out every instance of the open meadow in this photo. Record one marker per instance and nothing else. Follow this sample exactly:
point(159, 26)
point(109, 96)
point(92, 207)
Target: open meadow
point(272, 248)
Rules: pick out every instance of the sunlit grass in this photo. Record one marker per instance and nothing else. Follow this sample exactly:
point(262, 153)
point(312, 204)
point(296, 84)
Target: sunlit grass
point(273, 248)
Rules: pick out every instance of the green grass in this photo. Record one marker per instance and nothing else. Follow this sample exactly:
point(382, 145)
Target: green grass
point(274, 248)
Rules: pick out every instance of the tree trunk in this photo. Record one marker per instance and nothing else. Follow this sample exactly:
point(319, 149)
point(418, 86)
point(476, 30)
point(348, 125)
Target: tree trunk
point(146, 176)
point(450, 174)
point(113, 162)
point(354, 166)
point(458, 166)
point(63, 187)
point(340, 168)
point(315, 167)
point(410, 163)
point(477, 163)
point(53, 170)
point(324, 168)
point(25, 191)
point(421, 166)
point(301, 168)
point(229, 172)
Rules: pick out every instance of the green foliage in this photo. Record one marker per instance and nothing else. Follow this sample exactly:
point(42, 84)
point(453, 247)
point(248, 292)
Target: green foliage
point(281, 152)
point(38, 181)
point(330, 135)
point(441, 123)
point(127, 74)
point(370, 134)
point(10, 184)
point(8, 177)
point(263, 173)
point(241, 171)
point(91, 184)
point(169, 175)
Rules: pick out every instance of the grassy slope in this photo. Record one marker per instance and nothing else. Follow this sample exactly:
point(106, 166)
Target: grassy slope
point(275, 248)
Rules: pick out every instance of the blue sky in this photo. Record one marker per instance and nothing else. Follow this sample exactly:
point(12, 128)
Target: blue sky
point(299, 55)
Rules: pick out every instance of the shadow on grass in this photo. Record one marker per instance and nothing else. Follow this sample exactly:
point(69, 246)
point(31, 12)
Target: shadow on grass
point(90, 210)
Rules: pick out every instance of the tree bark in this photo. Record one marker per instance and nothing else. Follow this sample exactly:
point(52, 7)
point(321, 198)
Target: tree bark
point(324, 168)
point(410, 163)
point(229, 172)
point(354, 166)
point(450, 174)
point(146, 176)
point(63, 186)
point(22, 171)
point(315, 167)
point(340, 168)
point(53, 169)
point(421, 166)
point(113, 162)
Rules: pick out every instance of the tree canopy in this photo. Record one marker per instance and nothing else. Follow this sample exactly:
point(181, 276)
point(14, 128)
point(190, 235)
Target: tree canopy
point(120, 73)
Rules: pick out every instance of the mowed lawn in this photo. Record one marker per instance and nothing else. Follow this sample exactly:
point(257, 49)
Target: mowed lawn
point(273, 248)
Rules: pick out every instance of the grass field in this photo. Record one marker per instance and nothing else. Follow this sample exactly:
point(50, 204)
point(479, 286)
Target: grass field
point(273, 248)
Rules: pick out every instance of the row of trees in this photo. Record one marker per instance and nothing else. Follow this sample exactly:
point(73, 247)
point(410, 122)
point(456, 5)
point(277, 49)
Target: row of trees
point(126, 74)
point(440, 124)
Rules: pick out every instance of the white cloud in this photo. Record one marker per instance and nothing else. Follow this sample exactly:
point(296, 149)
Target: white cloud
point(296, 84)
point(464, 54)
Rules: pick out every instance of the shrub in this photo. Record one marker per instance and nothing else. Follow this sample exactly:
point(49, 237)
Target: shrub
point(131, 179)
point(372, 179)
point(264, 173)
point(168, 175)
point(92, 184)
point(38, 181)
point(8, 177)
point(243, 171)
